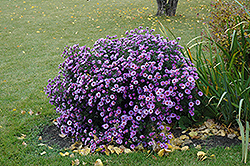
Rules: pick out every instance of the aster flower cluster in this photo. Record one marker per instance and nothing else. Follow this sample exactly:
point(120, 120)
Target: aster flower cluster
point(123, 91)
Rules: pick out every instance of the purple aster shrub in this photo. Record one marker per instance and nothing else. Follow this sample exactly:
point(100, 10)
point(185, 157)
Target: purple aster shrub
point(124, 90)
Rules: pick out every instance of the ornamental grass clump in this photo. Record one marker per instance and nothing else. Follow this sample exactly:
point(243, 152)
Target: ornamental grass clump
point(124, 91)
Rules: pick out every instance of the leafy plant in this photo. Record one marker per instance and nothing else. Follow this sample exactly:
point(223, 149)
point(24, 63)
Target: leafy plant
point(224, 16)
point(223, 81)
point(124, 91)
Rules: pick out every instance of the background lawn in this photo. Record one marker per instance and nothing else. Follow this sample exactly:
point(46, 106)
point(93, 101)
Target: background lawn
point(33, 34)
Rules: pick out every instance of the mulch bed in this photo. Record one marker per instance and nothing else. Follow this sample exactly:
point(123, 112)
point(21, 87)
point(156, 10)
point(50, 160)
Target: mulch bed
point(50, 136)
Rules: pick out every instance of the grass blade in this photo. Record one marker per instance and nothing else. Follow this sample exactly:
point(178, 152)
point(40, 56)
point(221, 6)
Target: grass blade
point(242, 136)
point(221, 98)
point(247, 138)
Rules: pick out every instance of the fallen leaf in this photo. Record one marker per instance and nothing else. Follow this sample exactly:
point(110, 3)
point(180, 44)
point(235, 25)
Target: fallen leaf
point(76, 162)
point(169, 146)
point(76, 145)
point(23, 112)
point(72, 155)
point(192, 134)
point(176, 141)
point(201, 153)
point(22, 137)
point(62, 154)
point(184, 148)
point(212, 156)
point(84, 151)
point(231, 136)
point(41, 144)
point(117, 150)
point(110, 148)
point(43, 153)
point(198, 147)
point(127, 151)
point(40, 138)
point(24, 143)
point(222, 133)
point(62, 135)
point(50, 147)
point(161, 152)
point(201, 156)
point(98, 162)
point(83, 163)
point(154, 157)
point(182, 137)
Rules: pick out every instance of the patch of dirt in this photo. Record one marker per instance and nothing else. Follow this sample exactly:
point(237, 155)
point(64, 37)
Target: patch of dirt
point(50, 136)
point(209, 142)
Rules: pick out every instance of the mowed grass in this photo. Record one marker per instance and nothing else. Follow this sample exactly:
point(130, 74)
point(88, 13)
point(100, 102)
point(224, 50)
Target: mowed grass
point(33, 34)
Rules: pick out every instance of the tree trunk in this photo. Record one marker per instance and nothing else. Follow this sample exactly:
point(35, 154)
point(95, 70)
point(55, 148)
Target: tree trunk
point(171, 7)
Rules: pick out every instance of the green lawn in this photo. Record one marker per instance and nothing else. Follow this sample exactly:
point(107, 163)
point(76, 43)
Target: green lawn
point(33, 34)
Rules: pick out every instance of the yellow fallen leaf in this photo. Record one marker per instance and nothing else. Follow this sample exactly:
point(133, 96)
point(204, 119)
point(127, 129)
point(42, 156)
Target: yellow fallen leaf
point(201, 153)
point(117, 150)
point(169, 146)
point(98, 162)
point(203, 158)
point(110, 148)
point(22, 137)
point(212, 156)
point(62, 154)
point(76, 162)
point(62, 135)
point(182, 137)
point(127, 151)
point(85, 151)
point(184, 148)
point(192, 134)
point(161, 152)
point(198, 147)
point(76, 145)
point(41, 144)
point(231, 136)
point(1, 126)
point(43, 153)
point(222, 133)
point(98, 149)
point(50, 147)
point(40, 138)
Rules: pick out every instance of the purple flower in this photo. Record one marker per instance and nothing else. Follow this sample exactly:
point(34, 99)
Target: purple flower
point(197, 102)
point(191, 104)
point(200, 93)
point(105, 126)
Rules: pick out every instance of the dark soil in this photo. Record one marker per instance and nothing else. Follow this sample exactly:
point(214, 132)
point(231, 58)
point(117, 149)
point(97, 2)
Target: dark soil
point(50, 136)
point(211, 141)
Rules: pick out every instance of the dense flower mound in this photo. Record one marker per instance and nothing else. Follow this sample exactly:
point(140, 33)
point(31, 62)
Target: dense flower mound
point(123, 91)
